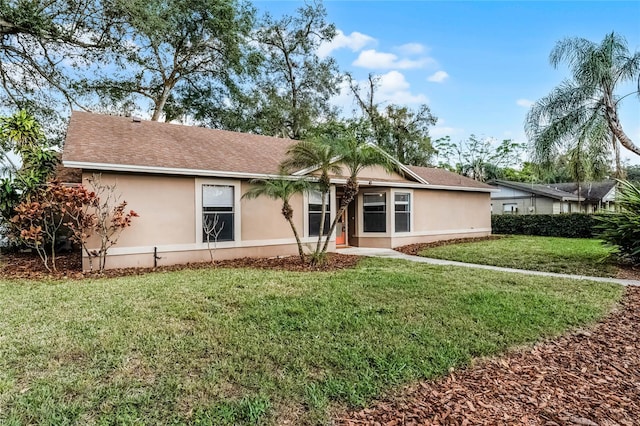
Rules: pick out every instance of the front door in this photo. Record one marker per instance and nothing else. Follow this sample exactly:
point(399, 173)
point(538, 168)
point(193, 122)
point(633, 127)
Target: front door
point(341, 230)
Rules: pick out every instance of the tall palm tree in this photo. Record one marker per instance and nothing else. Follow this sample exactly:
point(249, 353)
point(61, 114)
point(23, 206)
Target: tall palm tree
point(584, 110)
point(281, 189)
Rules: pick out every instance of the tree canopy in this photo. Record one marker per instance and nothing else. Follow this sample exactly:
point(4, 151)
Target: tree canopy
point(581, 114)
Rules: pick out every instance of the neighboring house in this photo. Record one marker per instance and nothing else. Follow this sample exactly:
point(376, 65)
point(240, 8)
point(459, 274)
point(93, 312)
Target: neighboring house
point(177, 177)
point(554, 198)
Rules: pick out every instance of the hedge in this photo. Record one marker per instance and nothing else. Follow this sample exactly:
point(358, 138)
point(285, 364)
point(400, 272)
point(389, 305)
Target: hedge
point(573, 225)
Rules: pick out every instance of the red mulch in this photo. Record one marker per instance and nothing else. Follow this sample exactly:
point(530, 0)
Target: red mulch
point(29, 266)
point(587, 378)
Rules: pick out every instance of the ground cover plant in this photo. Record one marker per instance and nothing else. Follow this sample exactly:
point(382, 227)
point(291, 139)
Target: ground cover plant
point(245, 346)
point(581, 256)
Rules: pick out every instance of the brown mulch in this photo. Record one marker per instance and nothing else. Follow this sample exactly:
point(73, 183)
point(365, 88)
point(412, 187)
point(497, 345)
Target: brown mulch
point(587, 378)
point(29, 266)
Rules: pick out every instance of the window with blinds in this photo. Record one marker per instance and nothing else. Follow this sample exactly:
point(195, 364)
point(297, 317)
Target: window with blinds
point(402, 203)
point(217, 213)
point(374, 212)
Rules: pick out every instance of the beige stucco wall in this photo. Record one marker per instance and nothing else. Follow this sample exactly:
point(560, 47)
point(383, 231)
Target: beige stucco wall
point(262, 217)
point(435, 215)
point(451, 210)
point(371, 172)
point(165, 205)
point(171, 219)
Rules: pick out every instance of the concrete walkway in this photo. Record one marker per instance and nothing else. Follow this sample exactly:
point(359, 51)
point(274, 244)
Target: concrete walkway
point(380, 252)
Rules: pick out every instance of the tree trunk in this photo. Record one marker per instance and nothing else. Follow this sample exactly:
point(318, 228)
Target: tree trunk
point(287, 212)
point(323, 213)
point(616, 127)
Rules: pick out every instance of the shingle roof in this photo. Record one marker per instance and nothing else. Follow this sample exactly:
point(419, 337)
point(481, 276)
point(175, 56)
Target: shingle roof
point(446, 178)
point(114, 142)
point(106, 139)
point(590, 191)
point(545, 190)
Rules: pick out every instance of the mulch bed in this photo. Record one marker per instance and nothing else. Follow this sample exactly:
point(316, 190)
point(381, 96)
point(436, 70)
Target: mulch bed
point(29, 266)
point(587, 378)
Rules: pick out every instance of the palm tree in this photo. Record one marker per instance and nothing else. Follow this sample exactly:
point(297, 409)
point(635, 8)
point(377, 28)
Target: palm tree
point(322, 157)
point(282, 188)
point(356, 156)
point(327, 152)
point(583, 111)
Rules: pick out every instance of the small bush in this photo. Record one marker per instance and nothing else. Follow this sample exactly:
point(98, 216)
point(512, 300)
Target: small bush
point(621, 230)
point(574, 225)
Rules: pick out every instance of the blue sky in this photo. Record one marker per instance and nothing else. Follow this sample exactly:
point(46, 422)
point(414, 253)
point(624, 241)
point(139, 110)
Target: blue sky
point(478, 65)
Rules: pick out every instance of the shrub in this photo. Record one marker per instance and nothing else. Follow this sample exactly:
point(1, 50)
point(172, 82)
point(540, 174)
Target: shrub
point(574, 225)
point(621, 230)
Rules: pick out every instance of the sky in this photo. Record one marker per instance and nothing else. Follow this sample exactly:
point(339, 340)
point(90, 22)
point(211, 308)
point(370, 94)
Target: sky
point(479, 65)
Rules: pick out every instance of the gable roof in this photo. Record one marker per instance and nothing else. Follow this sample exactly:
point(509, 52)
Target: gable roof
point(123, 144)
point(590, 191)
point(538, 189)
point(110, 142)
point(444, 177)
point(593, 191)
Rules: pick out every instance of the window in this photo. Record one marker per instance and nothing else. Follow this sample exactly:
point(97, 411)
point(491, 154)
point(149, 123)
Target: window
point(403, 211)
point(315, 213)
point(217, 213)
point(375, 212)
point(510, 208)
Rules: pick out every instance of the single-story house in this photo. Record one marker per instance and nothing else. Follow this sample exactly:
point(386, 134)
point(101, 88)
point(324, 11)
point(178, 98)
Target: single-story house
point(178, 177)
point(554, 198)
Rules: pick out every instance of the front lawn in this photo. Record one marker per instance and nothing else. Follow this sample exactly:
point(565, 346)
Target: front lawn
point(241, 346)
point(579, 256)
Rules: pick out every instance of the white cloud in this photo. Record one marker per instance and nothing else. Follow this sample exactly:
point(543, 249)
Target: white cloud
point(411, 49)
point(525, 103)
point(439, 131)
point(438, 77)
point(354, 41)
point(392, 88)
point(373, 59)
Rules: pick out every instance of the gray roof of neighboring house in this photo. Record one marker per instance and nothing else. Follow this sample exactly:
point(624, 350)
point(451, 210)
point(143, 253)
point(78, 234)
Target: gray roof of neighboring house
point(590, 191)
point(568, 191)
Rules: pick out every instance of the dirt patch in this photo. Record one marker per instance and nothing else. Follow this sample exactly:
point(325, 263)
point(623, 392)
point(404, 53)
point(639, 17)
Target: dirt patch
point(29, 266)
point(587, 378)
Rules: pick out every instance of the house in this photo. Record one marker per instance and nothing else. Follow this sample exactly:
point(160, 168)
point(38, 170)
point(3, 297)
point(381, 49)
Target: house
point(555, 198)
point(178, 177)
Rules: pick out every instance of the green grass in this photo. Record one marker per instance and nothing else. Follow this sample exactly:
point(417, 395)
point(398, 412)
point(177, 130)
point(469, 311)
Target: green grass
point(232, 346)
point(549, 254)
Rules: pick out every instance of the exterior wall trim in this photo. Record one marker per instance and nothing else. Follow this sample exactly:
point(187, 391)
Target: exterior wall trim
point(114, 168)
point(430, 233)
point(117, 251)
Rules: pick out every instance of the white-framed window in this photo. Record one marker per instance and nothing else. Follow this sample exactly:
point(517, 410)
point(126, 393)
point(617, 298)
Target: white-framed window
point(374, 211)
point(315, 213)
point(510, 208)
point(402, 207)
point(218, 213)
